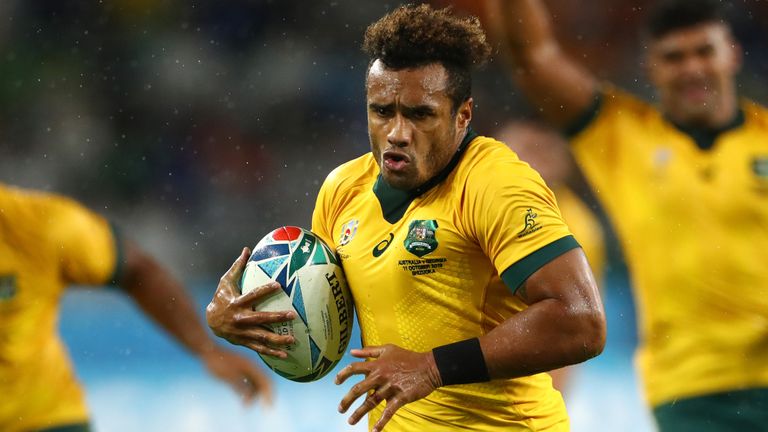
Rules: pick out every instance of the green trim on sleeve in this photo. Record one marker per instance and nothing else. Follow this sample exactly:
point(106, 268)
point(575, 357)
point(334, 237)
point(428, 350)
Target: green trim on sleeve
point(118, 273)
point(517, 273)
point(585, 119)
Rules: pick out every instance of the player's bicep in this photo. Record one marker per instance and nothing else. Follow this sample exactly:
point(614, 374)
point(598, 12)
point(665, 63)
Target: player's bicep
point(516, 275)
point(567, 278)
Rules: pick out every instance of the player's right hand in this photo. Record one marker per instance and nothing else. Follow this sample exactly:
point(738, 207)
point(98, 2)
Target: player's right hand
point(231, 316)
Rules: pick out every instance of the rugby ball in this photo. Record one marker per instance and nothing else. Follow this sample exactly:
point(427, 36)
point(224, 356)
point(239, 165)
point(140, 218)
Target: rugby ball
point(315, 288)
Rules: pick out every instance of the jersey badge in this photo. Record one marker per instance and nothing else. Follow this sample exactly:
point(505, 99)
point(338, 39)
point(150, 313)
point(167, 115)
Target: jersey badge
point(662, 157)
point(531, 225)
point(421, 239)
point(348, 230)
point(7, 287)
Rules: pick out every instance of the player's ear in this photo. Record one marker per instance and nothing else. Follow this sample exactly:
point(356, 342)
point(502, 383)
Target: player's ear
point(464, 114)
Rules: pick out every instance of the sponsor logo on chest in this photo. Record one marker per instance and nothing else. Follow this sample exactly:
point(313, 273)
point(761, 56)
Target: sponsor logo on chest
point(421, 240)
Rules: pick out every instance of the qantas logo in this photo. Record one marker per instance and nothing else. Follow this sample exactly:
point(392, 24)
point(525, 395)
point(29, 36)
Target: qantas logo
point(382, 246)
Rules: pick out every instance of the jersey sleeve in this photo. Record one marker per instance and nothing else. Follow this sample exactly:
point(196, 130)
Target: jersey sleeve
point(514, 217)
point(87, 245)
point(322, 224)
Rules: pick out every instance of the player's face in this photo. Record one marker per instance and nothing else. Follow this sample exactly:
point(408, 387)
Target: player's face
point(693, 70)
point(412, 131)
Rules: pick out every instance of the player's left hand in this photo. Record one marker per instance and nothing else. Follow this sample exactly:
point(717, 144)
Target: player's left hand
point(240, 373)
point(393, 374)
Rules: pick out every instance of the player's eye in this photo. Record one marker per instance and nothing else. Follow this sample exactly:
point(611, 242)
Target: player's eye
point(706, 51)
point(381, 111)
point(420, 113)
point(673, 57)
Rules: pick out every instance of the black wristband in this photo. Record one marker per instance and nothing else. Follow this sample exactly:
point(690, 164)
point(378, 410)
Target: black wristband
point(461, 362)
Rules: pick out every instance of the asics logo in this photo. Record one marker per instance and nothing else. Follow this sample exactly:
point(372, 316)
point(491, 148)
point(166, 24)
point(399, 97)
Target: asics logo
point(382, 246)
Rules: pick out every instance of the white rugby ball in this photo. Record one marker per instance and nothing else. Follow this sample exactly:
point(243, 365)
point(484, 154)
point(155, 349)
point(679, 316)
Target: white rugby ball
point(315, 288)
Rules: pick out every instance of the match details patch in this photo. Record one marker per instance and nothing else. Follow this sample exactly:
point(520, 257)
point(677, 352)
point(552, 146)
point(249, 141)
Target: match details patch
point(419, 267)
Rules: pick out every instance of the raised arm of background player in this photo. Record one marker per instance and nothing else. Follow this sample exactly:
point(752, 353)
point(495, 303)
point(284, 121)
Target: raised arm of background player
point(162, 297)
point(562, 88)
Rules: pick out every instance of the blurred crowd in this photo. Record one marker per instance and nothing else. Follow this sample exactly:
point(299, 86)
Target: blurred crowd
point(200, 126)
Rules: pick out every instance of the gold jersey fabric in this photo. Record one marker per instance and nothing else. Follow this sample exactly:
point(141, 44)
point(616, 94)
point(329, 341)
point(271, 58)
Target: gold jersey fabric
point(429, 274)
point(586, 227)
point(46, 243)
point(693, 224)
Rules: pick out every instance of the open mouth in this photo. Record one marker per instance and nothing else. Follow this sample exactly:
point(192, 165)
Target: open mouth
point(696, 91)
point(394, 161)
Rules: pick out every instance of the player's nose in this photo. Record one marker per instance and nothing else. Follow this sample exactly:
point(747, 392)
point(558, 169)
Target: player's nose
point(400, 131)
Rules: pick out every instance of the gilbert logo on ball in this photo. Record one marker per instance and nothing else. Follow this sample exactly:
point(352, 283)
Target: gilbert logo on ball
point(314, 287)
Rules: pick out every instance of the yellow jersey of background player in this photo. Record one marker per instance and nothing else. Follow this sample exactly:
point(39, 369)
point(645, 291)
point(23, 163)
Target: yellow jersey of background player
point(46, 243)
point(433, 259)
point(707, 328)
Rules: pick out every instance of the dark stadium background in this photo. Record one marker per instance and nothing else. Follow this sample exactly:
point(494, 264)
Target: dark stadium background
point(199, 126)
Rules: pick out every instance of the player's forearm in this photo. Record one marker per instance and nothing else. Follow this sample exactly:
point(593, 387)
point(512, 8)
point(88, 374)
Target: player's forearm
point(561, 88)
point(162, 297)
point(524, 28)
point(548, 335)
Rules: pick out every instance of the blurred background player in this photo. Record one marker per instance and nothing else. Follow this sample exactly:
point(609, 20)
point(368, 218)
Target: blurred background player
point(685, 181)
point(48, 242)
point(547, 152)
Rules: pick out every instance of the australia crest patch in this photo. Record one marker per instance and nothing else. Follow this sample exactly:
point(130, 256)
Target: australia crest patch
point(421, 239)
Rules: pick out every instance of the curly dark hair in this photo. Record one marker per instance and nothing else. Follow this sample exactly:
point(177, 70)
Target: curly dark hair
point(667, 16)
point(417, 35)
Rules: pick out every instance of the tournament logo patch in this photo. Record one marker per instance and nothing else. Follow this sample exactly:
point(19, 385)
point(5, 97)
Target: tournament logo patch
point(662, 157)
point(7, 287)
point(348, 230)
point(760, 166)
point(421, 238)
point(531, 225)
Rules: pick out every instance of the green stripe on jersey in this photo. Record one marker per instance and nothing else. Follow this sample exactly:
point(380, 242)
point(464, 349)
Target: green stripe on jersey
point(517, 273)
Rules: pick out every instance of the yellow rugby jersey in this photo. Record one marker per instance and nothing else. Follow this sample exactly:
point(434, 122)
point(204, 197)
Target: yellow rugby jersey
point(693, 224)
point(586, 227)
point(46, 243)
point(424, 270)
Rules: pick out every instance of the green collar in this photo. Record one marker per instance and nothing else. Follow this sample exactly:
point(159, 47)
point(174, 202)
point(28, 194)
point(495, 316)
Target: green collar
point(705, 138)
point(394, 202)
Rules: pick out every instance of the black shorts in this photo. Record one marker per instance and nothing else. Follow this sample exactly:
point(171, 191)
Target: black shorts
point(738, 410)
